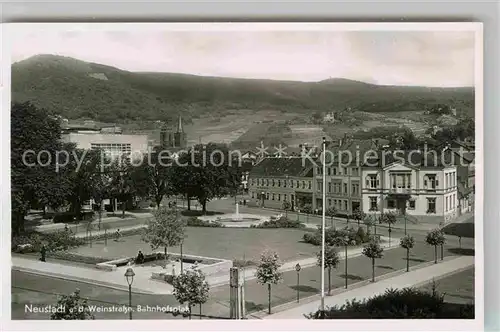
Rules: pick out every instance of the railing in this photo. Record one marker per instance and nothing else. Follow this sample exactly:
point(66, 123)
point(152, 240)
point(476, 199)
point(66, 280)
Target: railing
point(399, 191)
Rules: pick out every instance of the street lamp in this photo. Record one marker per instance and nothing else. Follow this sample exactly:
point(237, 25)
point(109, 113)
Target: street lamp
point(297, 268)
point(129, 275)
point(346, 242)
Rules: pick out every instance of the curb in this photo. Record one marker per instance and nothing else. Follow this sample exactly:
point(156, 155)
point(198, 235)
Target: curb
point(339, 290)
point(82, 280)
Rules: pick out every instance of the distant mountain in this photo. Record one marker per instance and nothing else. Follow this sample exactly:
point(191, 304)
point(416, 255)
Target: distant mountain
point(78, 89)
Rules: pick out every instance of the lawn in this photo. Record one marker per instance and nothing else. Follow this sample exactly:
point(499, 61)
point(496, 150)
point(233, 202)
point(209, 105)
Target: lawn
point(228, 243)
point(457, 288)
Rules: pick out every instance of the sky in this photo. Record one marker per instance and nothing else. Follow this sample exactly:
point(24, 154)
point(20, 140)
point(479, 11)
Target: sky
point(425, 58)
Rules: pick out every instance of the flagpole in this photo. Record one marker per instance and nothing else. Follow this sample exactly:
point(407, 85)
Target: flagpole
point(323, 229)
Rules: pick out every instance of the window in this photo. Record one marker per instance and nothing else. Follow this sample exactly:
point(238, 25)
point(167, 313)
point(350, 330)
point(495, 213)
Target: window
point(345, 205)
point(279, 197)
point(345, 189)
point(372, 181)
point(412, 205)
point(279, 183)
point(329, 202)
point(318, 185)
point(291, 183)
point(267, 182)
point(431, 205)
point(355, 171)
point(253, 194)
point(345, 171)
point(303, 184)
point(446, 209)
point(284, 183)
point(267, 196)
point(284, 197)
point(310, 184)
point(334, 170)
point(273, 182)
point(329, 187)
point(298, 184)
point(373, 203)
point(391, 204)
point(319, 170)
point(430, 182)
point(355, 189)
point(273, 197)
point(328, 171)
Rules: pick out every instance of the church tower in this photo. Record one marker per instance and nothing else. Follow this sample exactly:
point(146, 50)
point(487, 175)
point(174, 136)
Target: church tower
point(180, 135)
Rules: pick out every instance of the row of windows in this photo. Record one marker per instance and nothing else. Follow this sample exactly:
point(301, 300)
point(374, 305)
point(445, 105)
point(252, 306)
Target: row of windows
point(338, 171)
point(451, 179)
point(339, 204)
point(431, 181)
point(282, 183)
point(273, 196)
point(450, 202)
point(339, 188)
point(412, 205)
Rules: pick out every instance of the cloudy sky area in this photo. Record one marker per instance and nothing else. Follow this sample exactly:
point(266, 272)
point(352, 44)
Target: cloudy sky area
point(389, 58)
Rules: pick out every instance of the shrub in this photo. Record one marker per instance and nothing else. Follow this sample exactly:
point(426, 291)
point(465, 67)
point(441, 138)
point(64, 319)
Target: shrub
point(312, 238)
point(195, 222)
point(337, 236)
point(403, 303)
point(282, 222)
point(60, 240)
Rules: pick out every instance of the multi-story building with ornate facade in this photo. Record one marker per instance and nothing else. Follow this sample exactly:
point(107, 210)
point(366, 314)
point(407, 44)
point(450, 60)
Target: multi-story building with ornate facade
point(275, 180)
point(413, 184)
point(343, 175)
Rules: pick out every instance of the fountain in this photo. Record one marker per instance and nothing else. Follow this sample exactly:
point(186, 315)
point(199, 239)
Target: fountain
point(237, 214)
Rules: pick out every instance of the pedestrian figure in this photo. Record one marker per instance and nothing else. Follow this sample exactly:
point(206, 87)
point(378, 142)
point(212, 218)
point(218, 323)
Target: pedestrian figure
point(43, 252)
point(117, 235)
point(140, 258)
point(244, 202)
point(66, 228)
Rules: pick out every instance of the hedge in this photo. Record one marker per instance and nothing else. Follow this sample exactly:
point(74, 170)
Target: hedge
point(282, 222)
point(195, 222)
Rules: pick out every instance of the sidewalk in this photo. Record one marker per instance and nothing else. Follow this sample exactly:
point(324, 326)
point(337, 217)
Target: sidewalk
point(414, 278)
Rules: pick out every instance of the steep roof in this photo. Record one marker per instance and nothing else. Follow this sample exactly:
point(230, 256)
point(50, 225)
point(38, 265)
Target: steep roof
point(292, 166)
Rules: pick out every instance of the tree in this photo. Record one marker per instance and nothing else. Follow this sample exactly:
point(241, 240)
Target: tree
point(332, 260)
point(152, 179)
point(268, 272)
point(286, 206)
point(191, 287)
point(407, 242)
point(369, 222)
point(122, 184)
point(389, 219)
point(31, 129)
point(74, 308)
point(206, 172)
point(331, 212)
point(100, 189)
point(165, 229)
point(358, 215)
point(373, 250)
point(435, 238)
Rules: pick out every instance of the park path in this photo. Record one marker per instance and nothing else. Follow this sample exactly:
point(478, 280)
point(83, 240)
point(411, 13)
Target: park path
point(414, 278)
